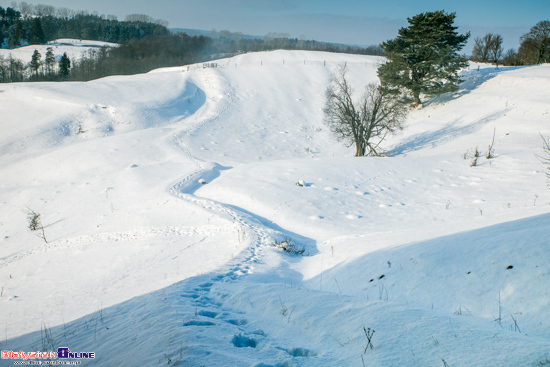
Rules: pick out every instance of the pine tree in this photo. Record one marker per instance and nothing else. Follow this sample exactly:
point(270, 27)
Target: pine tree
point(35, 62)
point(64, 66)
point(49, 62)
point(424, 57)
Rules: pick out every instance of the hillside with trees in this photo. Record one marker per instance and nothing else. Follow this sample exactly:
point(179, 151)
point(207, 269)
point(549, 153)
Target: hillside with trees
point(145, 44)
point(534, 48)
point(37, 26)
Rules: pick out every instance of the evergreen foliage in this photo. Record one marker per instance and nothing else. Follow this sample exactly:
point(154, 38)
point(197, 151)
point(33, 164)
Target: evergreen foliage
point(35, 62)
point(41, 28)
point(49, 62)
point(64, 66)
point(424, 58)
point(16, 34)
point(36, 35)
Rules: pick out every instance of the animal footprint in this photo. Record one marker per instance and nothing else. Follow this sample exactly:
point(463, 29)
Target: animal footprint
point(241, 341)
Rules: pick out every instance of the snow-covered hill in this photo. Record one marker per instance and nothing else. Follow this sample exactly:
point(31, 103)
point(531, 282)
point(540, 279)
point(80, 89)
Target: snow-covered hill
point(162, 195)
point(75, 49)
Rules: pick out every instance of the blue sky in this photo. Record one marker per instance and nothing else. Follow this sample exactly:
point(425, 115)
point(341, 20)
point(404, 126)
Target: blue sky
point(363, 22)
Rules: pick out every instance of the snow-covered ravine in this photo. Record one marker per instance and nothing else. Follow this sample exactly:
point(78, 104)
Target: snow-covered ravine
point(161, 195)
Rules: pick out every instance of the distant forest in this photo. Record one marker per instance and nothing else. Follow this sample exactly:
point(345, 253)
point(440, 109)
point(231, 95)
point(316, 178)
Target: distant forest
point(145, 44)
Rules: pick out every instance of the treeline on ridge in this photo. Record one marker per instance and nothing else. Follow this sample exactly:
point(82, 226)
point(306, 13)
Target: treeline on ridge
point(144, 44)
point(534, 48)
point(17, 28)
point(148, 53)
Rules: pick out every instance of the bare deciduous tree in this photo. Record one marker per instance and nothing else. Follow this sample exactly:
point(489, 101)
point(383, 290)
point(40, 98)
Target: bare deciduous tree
point(367, 123)
point(535, 45)
point(511, 57)
point(488, 48)
point(495, 49)
point(43, 10)
point(480, 52)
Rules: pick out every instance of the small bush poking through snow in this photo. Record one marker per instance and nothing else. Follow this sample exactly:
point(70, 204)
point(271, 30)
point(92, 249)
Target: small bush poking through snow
point(368, 333)
point(546, 158)
point(287, 245)
point(35, 223)
point(477, 154)
point(490, 150)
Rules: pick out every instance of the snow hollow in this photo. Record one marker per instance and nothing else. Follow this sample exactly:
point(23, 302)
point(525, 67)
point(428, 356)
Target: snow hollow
point(162, 197)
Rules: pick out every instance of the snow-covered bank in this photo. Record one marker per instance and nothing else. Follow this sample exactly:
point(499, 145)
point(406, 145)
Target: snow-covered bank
point(426, 302)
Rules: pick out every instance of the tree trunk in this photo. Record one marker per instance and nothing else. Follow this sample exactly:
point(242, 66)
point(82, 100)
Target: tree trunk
point(359, 149)
point(417, 102)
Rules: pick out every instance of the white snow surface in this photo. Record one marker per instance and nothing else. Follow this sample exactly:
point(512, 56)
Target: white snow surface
point(162, 195)
point(75, 49)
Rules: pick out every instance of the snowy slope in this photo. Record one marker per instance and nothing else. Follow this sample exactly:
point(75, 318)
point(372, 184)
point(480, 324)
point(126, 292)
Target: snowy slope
point(161, 195)
point(74, 49)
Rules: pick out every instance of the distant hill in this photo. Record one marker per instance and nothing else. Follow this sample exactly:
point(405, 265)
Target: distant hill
point(281, 41)
point(212, 33)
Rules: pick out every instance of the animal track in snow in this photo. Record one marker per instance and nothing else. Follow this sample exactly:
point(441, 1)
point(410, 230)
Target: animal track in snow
point(198, 323)
point(241, 341)
point(210, 314)
point(300, 352)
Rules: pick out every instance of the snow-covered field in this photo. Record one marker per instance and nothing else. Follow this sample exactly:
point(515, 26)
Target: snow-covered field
point(74, 49)
point(162, 194)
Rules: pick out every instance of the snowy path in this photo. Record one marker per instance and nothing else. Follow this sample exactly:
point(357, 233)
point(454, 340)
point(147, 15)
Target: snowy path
point(210, 312)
